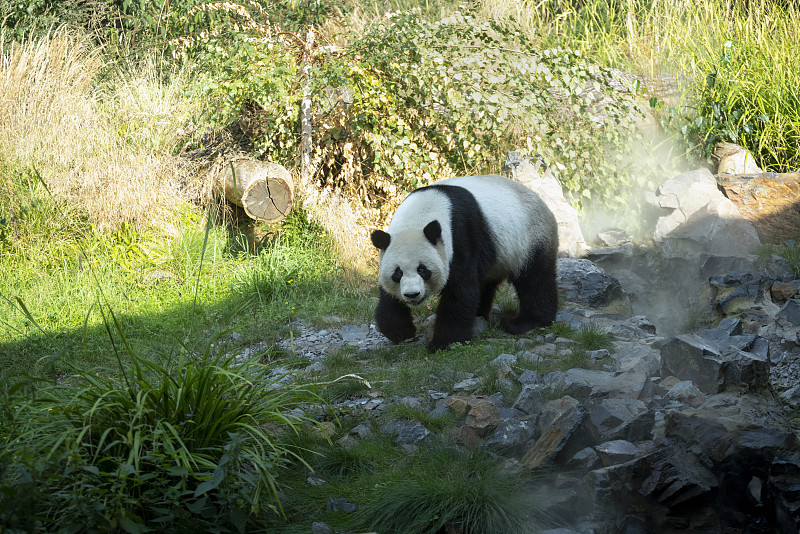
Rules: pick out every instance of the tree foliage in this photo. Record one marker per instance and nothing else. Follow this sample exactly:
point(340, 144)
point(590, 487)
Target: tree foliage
point(411, 101)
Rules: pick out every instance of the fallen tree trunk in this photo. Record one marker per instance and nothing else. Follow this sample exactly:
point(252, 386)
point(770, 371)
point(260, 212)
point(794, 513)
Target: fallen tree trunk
point(264, 190)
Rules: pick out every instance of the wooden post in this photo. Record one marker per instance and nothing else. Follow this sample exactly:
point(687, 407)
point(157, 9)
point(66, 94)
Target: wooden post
point(306, 110)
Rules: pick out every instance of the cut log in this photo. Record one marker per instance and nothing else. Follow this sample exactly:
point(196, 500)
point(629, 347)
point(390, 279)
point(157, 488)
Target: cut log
point(264, 190)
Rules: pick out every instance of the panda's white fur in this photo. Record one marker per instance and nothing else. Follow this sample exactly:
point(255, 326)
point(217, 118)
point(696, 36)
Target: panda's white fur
point(517, 217)
point(408, 251)
point(494, 228)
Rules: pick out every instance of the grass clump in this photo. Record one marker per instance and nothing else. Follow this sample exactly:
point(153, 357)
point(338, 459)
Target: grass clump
point(190, 439)
point(592, 337)
point(443, 488)
point(434, 423)
point(107, 145)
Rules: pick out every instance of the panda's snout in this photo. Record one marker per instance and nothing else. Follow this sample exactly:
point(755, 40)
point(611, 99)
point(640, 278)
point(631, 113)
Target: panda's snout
point(411, 295)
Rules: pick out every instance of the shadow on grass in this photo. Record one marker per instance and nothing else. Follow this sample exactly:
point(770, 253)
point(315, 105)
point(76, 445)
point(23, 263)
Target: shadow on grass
point(45, 353)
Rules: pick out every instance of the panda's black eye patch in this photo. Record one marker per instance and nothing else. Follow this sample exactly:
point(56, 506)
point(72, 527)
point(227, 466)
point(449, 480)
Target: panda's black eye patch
point(397, 275)
point(424, 272)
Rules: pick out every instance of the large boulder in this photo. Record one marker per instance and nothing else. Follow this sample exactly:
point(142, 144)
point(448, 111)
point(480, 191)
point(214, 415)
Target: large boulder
point(701, 219)
point(583, 283)
point(770, 201)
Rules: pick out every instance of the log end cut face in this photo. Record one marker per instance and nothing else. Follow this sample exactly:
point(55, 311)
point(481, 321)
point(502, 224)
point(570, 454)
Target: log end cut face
point(268, 200)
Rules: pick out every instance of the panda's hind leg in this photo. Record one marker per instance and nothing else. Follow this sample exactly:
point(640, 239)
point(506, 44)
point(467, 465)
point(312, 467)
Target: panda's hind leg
point(487, 298)
point(393, 318)
point(537, 290)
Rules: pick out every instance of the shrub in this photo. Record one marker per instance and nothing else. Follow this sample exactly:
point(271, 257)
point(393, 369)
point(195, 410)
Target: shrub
point(410, 101)
point(188, 440)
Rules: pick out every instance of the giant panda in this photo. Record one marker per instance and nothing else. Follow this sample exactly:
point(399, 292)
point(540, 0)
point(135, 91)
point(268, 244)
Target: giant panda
point(461, 238)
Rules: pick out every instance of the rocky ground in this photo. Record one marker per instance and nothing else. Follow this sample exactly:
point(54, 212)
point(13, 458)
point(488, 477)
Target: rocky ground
point(695, 431)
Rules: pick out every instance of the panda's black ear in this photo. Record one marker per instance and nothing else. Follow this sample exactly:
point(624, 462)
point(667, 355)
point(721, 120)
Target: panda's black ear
point(381, 239)
point(433, 231)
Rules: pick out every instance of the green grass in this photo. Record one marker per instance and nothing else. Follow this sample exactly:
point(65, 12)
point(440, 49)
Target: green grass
point(57, 268)
point(591, 337)
point(789, 252)
point(186, 439)
point(435, 423)
point(449, 488)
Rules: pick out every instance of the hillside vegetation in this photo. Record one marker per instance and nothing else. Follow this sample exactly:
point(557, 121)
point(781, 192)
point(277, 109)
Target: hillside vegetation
point(117, 260)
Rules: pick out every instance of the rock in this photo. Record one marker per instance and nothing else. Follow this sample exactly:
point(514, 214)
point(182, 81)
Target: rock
point(769, 201)
point(407, 433)
point(609, 414)
point(616, 452)
point(529, 400)
point(702, 220)
point(467, 436)
point(790, 312)
point(338, 504)
point(639, 428)
point(738, 292)
point(582, 282)
point(775, 267)
point(632, 384)
point(353, 334)
point(734, 159)
point(783, 492)
point(613, 237)
point(512, 435)
point(792, 396)
point(536, 176)
point(529, 377)
point(458, 404)
point(691, 357)
point(654, 483)
point(782, 291)
point(554, 409)
point(687, 393)
point(562, 439)
point(636, 357)
point(728, 441)
point(586, 459)
point(504, 359)
point(483, 416)
point(597, 354)
point(467, 385)
point(321, 528)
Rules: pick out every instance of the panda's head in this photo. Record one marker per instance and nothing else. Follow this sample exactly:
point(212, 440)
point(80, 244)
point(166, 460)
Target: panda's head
point(413, 264)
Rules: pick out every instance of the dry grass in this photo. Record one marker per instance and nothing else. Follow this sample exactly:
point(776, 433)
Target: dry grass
point(346, 223)
point(109, 150)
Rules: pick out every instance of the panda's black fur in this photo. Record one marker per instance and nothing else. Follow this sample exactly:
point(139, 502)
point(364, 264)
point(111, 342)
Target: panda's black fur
point(466, 271)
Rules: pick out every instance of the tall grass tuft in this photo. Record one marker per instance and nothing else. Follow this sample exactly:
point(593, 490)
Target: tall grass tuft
point(741, 72)
point(447, 489)
point(189, 439)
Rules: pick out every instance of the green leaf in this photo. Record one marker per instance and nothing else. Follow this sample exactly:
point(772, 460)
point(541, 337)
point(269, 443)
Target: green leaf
point(132, 527)
point(211, 484)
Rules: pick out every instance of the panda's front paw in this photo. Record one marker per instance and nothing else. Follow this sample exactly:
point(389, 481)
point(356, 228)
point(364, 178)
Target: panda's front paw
point(393, 318)
point(397, 331)
point(519, 325)
point(435, 345)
